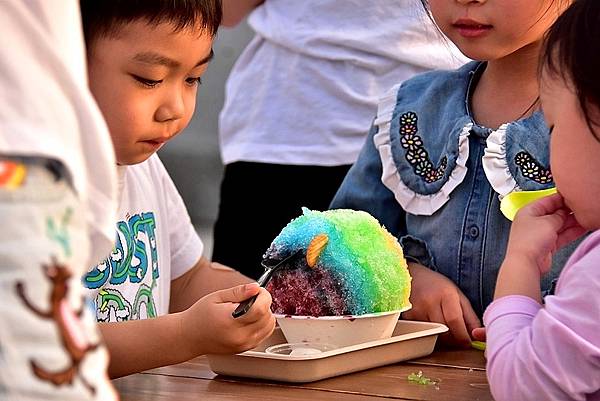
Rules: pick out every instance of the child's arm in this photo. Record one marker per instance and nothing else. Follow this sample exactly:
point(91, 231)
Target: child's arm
point(435, 298)
point(234, 11)
point(205, 277)
point(206, 327)
point(527, 343)
point(520, 274)
point(538, 231)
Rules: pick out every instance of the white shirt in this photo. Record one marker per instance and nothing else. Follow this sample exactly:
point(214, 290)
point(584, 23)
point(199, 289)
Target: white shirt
point(46, 110)
point(42, 57)
point(156, 243)
point(305, 90)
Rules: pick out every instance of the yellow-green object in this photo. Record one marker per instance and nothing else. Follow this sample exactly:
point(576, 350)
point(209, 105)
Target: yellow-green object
point(419, 378)
point(511, 203)
point(480, 345)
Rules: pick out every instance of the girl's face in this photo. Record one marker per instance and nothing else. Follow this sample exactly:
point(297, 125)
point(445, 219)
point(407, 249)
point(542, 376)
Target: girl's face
point(574, 151)
point(491, 29)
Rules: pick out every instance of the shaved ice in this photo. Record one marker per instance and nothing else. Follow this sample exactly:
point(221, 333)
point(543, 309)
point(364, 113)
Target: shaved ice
point(348, 264)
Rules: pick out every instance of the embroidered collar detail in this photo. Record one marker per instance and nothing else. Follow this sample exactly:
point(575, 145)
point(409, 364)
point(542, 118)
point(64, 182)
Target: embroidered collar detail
point(508, 161)
point(422, 138)
point(416, 154)
point(413, 149)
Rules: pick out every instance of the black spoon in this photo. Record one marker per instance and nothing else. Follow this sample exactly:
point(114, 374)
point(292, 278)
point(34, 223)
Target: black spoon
point(244, 306)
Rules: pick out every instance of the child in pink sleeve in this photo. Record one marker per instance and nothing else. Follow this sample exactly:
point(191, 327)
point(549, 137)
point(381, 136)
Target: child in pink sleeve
point(551, 351)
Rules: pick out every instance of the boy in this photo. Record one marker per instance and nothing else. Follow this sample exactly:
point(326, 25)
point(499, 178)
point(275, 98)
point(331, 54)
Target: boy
point(145, 59)
point(57, 197)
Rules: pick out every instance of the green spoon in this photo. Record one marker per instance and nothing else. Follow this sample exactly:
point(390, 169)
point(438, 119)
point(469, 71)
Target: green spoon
point(511, 203)
point(480, 345)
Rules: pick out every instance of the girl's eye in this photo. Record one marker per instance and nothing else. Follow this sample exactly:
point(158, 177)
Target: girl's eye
point(194, 81)
point(148, 83)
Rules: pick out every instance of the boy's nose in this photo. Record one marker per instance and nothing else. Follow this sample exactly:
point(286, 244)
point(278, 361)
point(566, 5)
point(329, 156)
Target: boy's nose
point(172, 108)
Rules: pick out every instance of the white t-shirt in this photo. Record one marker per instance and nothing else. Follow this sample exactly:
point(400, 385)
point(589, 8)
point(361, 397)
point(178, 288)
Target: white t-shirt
point(156, 243)
point(49, 225)
point(42, 57)
point(305, 89)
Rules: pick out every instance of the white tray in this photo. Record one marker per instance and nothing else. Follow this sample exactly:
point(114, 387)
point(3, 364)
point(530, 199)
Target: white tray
point(411, 339)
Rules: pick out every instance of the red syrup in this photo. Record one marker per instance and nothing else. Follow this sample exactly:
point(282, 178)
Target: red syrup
point(304, 292)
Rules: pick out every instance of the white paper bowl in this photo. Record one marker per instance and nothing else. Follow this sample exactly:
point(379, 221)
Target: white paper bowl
point(340, 331)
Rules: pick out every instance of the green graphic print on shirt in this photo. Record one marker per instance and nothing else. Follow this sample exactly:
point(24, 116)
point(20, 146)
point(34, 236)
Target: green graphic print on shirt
point(127, 278)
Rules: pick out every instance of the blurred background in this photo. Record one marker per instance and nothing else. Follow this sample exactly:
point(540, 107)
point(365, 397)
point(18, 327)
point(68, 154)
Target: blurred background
point(192, 158)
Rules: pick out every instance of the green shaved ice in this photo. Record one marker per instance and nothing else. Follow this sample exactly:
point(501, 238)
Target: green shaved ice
point(419, 378)
point(379, 254)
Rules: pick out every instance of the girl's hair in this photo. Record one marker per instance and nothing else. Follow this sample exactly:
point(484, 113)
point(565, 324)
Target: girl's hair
point(572, 52)
point(104, 18)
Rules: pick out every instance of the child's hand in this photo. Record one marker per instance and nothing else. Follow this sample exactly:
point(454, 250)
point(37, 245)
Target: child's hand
point(479, 334)
point(435, 298)
point(209, 328)
point(540, 229)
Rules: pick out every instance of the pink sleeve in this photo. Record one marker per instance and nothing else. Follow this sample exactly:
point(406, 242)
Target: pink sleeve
point(550, 352)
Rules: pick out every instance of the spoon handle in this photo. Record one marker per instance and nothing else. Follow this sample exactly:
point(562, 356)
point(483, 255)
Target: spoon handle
point(244, 306)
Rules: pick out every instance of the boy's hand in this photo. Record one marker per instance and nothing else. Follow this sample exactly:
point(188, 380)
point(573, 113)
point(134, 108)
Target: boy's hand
point(540, 229)
point(435, 298)
point(209, 328)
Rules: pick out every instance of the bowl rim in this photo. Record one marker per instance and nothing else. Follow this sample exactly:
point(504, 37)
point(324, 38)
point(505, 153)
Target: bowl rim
point(341, 317)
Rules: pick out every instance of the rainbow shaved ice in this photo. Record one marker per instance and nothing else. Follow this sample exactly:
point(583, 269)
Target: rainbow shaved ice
point(348, 265)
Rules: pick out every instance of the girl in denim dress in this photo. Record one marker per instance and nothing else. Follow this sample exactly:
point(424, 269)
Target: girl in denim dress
point(446, 146)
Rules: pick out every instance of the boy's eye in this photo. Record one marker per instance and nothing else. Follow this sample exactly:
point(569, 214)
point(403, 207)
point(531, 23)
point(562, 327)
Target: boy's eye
point(149, 83)
point(194, 81)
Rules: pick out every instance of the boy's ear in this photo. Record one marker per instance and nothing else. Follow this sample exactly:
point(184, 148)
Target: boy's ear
point(316, 246)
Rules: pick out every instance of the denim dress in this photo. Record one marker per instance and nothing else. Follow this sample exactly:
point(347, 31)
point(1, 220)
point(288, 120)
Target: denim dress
point(434, 178)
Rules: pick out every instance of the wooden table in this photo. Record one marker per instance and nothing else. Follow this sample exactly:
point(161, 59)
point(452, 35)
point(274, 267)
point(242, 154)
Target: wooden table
point(462, 375)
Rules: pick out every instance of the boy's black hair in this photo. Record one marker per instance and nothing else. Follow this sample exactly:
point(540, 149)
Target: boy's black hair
point(572, 52)
point(106, 17)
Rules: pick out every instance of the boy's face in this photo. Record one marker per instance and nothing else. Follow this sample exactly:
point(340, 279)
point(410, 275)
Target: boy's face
point(145, 79)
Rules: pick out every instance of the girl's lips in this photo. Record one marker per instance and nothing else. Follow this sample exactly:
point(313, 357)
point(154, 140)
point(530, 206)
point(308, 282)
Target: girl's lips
point(471, 29)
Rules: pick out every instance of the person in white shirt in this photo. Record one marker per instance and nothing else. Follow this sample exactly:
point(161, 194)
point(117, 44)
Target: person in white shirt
point(57, 207)
point(299, 103)
point(160, 302)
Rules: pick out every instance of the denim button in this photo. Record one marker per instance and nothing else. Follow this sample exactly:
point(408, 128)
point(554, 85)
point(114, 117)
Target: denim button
point(474, 231)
